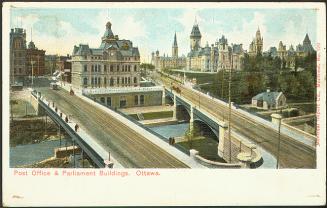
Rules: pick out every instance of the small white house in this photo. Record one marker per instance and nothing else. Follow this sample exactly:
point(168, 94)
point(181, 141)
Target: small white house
point(269, 100)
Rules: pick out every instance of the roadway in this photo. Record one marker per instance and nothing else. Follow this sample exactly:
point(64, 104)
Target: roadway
point(130, 148)
point(293, 154)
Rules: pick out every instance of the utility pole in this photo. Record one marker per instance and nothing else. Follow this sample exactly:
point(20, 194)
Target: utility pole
point(278, 147)
point(222, 90)
point(230, 109)
point(12, 62)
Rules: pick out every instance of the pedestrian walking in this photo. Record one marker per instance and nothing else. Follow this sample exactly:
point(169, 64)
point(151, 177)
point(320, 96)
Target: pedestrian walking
point(76, 127)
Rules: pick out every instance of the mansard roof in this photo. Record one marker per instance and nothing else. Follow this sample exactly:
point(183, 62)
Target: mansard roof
point(109, 42)
point(196, 31)
point(237, 48)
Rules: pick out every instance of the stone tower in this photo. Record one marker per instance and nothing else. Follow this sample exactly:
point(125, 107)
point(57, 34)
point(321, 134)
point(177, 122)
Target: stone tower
point(258, 42)
point(195, 38)
point(175, 48)
point(18, 55)
point(223, 59)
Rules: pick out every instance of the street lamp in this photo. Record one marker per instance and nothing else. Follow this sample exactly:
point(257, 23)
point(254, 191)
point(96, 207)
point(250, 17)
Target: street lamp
point(276, 118)
point(230, 109)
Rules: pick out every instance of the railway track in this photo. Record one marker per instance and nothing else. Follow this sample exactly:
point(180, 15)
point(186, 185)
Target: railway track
point(130, 148)
point(293, 154)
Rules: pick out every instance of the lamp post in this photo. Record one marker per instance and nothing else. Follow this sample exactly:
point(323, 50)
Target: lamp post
point(278, 149)
point(276, 118)
point(230, 109)
point(222, 90)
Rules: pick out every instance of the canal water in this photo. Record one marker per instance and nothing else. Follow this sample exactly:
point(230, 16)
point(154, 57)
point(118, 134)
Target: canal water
point(176, 130)
point(33, 153)
point(172, 130)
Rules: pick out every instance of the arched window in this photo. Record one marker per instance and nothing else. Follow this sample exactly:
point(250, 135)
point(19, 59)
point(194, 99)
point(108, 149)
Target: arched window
point(111, 81)
point(135, 68)
point(135, 80)
point(142, 99)
point(85, 81)
point(136, 100)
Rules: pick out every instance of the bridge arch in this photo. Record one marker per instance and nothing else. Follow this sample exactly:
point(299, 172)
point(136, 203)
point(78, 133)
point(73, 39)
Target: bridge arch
point(206, 130)
point(182, 113)
point(169, 100)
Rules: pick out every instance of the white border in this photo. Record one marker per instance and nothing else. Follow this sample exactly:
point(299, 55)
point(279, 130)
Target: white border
point(173, 187)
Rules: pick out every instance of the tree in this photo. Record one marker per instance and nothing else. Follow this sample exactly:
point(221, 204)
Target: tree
point(190, 134)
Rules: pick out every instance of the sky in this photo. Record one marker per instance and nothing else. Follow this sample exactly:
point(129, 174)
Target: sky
point(151, 29)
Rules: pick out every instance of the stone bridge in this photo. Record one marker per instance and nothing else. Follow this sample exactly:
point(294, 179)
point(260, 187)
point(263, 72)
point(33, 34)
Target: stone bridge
point(187, 111)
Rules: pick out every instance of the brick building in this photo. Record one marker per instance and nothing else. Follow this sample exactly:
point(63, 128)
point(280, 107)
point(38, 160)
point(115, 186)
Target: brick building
point(35, 57)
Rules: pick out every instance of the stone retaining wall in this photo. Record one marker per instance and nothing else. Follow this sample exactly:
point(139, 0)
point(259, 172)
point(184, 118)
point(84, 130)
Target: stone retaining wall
point(62, 152)
point(239, 145)
point(213, 164)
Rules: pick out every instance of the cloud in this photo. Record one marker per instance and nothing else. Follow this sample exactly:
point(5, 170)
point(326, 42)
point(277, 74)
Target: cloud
point(58, 33)
point(245, 34)
point(57, 36)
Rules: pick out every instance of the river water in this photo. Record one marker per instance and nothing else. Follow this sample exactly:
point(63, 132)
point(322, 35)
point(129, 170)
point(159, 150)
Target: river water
point(33, 153)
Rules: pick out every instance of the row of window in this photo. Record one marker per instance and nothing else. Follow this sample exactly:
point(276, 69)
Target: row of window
point(138, 100)
point(18, 44)
point(19, 54)
point(97, 68)
point(19, 70)
point(125, 59)
point(110, 82)
point(19, 62)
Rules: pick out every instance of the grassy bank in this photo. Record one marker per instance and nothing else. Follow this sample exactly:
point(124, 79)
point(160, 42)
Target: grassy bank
point(21, 108)
point(208, 148)
point(154, 115)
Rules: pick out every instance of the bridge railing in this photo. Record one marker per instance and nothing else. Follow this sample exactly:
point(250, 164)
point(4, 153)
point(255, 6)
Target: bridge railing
point(181, 148)
point(95, 157)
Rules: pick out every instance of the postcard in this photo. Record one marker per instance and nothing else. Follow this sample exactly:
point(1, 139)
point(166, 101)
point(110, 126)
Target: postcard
point(172, 103)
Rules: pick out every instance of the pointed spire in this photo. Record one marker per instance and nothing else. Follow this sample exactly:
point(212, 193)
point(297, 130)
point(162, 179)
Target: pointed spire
point(31, 34)
point(175, 40)
point(258, 32)
point(306, 38)
point(195, 21)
